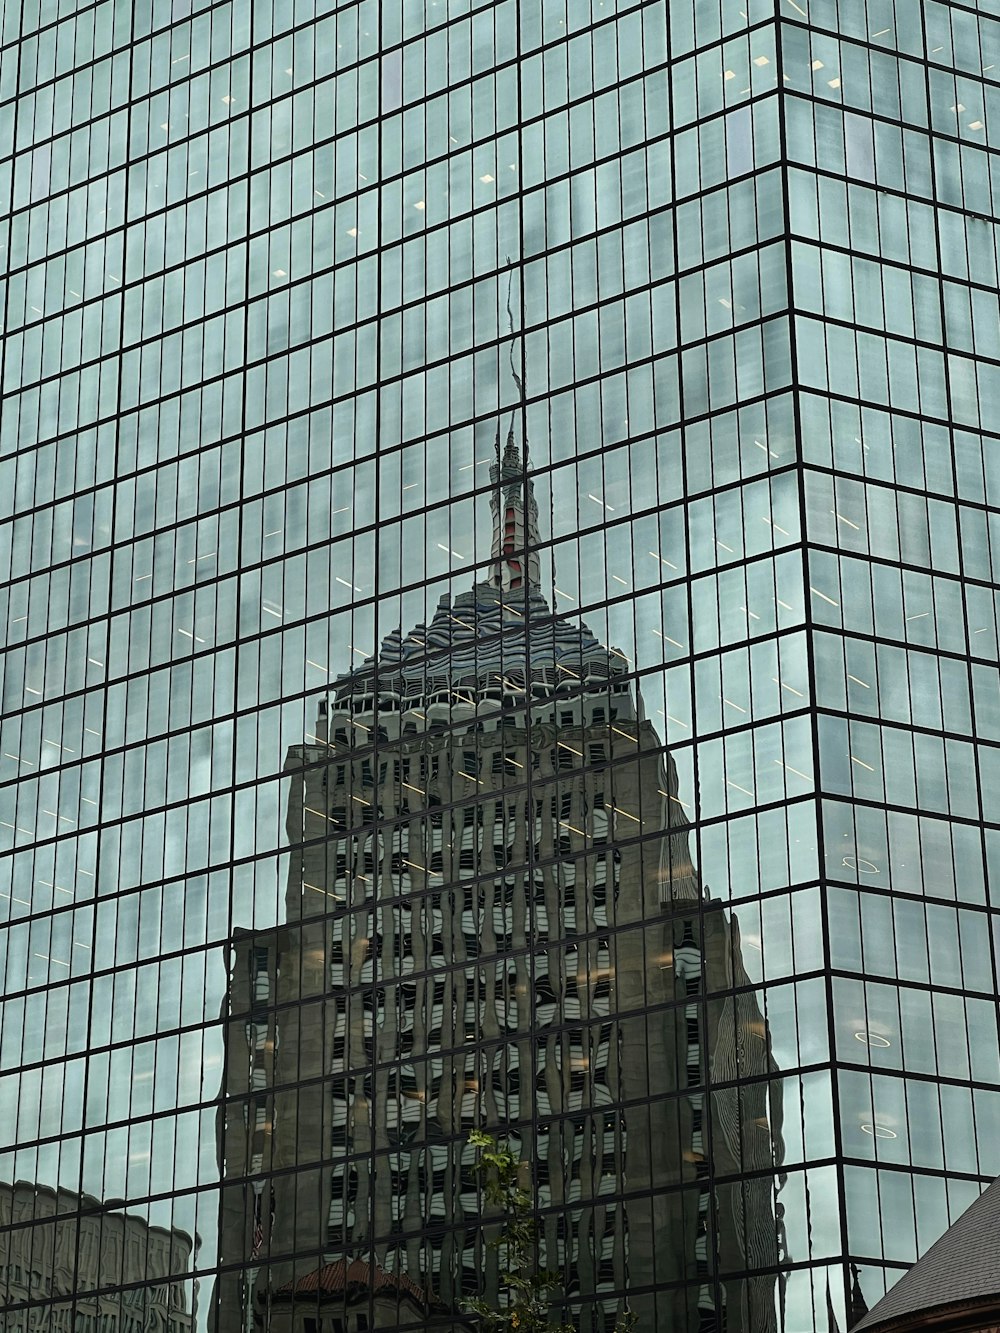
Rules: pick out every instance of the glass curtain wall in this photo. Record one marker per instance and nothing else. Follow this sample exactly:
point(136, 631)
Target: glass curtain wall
point(893, 262)
point(496, 508)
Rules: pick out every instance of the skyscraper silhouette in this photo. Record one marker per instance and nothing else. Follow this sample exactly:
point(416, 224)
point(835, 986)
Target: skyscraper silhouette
point(493, 920)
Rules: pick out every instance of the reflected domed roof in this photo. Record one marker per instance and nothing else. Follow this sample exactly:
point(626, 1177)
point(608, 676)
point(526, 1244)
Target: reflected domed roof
point(354, 1276)
point(485, 636)
point(500, 636)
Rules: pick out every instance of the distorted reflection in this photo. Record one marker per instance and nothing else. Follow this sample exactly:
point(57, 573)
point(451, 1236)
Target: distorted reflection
point(492, 919)
point(87, 1267)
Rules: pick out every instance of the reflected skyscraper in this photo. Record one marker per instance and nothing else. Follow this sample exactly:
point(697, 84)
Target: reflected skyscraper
point(493, 920)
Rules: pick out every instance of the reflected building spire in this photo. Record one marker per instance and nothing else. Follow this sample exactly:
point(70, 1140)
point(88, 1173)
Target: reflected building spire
point(514, 549)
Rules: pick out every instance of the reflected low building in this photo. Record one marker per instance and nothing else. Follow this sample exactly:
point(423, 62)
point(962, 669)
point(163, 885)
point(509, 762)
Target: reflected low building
point(350, 1295)
point(493, 920)
point(70, 1264)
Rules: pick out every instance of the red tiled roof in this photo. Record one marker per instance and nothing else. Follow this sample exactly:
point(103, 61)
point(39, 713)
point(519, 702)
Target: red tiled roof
point(354, 1274)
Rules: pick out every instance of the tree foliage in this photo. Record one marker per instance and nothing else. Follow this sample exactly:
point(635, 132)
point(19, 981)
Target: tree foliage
point(526, 1290)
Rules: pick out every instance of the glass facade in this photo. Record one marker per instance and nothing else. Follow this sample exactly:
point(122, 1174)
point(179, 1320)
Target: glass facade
point(496, 515)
